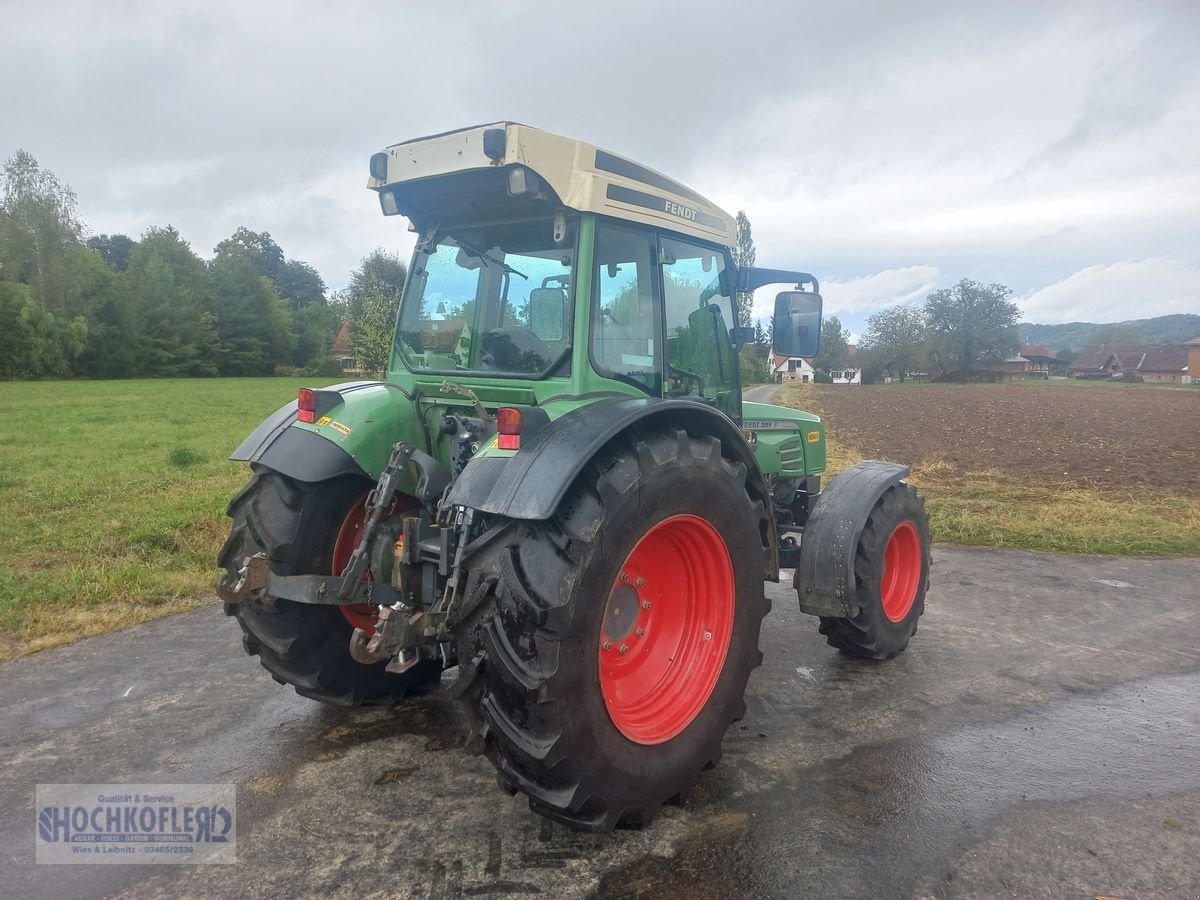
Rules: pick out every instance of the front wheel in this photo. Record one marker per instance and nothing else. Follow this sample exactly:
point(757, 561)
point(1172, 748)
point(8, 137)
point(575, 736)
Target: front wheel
point(891, 576)
point(610, 647)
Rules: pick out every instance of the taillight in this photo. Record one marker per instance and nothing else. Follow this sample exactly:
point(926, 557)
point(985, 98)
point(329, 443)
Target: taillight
point(508, 424)
point(306, 401)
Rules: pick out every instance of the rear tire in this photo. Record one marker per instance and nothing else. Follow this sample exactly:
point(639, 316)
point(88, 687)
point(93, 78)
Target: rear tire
point(589, 748)
point(296, 524)
point(891, 574)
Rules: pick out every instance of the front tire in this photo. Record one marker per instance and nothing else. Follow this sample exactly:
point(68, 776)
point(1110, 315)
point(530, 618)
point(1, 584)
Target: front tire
point(891, 575)
point(298, 525)
point(610, 646)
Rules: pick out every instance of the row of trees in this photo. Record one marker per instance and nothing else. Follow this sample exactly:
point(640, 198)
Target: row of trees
point(958, 330)
point(109, 306)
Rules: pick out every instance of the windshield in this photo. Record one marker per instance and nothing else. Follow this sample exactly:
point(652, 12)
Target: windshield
point(494, 299)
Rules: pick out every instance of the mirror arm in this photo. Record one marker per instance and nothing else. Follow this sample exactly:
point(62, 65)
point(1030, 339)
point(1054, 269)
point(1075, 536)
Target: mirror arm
point(752, 279)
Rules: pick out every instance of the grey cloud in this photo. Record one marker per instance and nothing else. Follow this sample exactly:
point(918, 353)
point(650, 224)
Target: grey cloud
point(833, 125)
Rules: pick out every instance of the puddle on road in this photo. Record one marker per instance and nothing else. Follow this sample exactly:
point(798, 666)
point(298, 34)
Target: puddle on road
point(887, 814)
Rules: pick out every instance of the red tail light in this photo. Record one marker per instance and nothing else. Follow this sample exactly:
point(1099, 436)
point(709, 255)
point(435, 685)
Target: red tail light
point(508, 423)
point(306, 401)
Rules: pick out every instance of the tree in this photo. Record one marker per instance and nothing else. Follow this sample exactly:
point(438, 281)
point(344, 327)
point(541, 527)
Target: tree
point(113, 249)
point(373, 303)
point(259, 248)
point(835, 346)
point(41, 237)
point(744, 255)
point(895, 339)
point(170, 289)
point(1066, 356)
point(252, 321)
point(300, 284)
point(971, 323)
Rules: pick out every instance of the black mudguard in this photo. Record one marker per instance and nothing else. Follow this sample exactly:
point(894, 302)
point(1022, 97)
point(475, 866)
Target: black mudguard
point(294, 452)
point(824, 577)
point(531, 484)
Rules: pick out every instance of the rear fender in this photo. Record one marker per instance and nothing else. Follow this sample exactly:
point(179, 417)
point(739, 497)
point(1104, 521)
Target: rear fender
point(532, 483)
point(824, 577)
point(359, 421)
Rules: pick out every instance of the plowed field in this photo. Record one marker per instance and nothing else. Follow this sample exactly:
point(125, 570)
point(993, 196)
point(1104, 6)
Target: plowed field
point(1105, 436)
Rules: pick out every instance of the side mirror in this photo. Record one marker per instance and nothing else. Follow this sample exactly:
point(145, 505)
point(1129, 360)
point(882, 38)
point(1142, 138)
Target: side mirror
point(797, 323)
point(548, 313)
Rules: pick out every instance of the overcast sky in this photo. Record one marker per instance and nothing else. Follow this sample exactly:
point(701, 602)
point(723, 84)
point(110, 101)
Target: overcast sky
point(889, 148)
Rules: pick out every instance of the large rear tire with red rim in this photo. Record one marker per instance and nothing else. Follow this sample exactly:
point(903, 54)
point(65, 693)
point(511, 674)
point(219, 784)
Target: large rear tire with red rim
point(307, 528)
point(891, 575)
point(607, 650)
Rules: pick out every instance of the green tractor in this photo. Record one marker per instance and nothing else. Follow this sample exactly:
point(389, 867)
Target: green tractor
point(558, 487)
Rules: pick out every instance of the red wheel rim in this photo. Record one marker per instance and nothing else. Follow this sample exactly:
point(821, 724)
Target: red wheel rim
point(360, 615)
point(666, 629)
point(901, 571)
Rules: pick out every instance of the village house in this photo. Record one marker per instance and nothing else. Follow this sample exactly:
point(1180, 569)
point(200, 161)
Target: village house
point(1192, 375)
point(791, 369)
point(343, 353)
point(1164, 363)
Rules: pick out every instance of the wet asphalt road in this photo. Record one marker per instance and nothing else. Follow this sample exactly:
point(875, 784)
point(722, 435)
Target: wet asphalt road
point(1041, 737)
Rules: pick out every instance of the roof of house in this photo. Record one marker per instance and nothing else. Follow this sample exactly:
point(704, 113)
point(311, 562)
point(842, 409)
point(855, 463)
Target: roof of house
point(1030, 351)
point(341, 343)
point(1134, 358)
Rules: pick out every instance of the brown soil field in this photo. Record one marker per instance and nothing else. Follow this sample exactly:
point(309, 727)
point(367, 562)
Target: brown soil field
point(1111, 437)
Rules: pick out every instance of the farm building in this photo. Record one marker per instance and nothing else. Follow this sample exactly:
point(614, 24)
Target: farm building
point(1042, 360)
point(1150, 362)
point(791, 368)
point(1192, 376)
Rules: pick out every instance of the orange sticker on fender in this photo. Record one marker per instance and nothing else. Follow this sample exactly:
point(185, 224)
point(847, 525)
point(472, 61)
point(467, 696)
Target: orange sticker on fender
point(342, 428)
point(814, 436)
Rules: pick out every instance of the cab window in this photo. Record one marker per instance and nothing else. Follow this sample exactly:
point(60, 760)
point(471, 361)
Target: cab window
point(699, 314)
point(625, 325)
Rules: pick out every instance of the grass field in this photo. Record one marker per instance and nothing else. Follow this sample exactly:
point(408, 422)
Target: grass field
point(1039, 467)
point(112, 499)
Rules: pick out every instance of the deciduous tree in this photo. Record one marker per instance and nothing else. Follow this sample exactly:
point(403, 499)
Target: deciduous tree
point(744, 256)
point(971, 323)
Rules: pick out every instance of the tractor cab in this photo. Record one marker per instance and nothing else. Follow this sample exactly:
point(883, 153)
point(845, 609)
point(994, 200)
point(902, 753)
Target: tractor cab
point(544, 259)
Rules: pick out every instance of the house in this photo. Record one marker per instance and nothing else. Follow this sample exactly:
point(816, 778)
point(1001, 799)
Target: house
point(343, 353)
point(1165, 363)
point(1042, 360)
point(1192, 375)
point(791, 368)
point(1013, 368)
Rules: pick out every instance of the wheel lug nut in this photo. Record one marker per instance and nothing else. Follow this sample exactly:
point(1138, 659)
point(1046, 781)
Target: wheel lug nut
point(645, 604)
point(607, 645)
point(708, 635)
point(641, 582)
point(625, 577)
point(624, 648)
point(640, 632)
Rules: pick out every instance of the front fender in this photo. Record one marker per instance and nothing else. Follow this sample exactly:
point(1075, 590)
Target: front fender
point(353, 436)
point(824, 577)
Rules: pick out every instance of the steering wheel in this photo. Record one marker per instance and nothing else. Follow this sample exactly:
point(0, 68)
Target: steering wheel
point(690, 376)
point(512, 348)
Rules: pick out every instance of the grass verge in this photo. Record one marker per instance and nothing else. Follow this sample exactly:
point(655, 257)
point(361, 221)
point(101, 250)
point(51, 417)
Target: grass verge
point(991, 508)
point(112, 499)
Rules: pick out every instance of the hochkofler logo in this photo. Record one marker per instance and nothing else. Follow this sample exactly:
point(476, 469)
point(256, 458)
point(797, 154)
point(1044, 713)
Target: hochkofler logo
point(144, 823)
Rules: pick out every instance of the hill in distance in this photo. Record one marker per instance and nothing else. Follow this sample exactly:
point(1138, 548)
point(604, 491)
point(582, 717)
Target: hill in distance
point(1174, 329)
